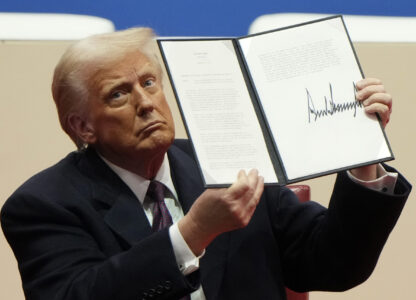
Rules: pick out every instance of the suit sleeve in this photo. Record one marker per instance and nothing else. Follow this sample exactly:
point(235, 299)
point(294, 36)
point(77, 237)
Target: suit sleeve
point(60, 258)
point(337, 248)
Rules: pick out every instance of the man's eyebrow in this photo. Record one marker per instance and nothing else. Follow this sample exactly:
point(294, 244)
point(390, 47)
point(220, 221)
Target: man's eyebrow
point(147, 70)
point(109, 85)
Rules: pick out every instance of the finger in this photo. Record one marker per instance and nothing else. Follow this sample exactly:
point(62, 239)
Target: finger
point(255, 199)
point(382, 110)
point(241, 175)
point(253, 183)
point(369, 90)
point(259, 190)
point(245, 186)
point(367, 82)
point(239, 186)
point(382, 98)
point(252, 177)
point(241, 179)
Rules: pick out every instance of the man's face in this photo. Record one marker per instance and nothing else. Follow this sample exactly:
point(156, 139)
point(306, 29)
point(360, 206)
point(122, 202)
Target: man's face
point(128, 113)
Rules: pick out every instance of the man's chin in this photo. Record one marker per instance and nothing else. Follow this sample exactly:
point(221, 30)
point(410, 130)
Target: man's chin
point(159, 142)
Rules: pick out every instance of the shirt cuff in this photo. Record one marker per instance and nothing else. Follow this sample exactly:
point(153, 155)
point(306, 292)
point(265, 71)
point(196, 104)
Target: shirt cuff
point(385, 181)
point(185, 258)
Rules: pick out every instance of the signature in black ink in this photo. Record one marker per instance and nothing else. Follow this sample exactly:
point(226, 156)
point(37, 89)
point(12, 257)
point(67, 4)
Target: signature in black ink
point(331, 107)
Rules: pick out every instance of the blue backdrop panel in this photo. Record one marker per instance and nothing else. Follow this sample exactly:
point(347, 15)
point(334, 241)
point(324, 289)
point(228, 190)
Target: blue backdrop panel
point(204, 17)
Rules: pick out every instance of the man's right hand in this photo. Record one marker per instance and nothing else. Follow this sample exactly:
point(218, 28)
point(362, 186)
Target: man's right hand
point(221, 210)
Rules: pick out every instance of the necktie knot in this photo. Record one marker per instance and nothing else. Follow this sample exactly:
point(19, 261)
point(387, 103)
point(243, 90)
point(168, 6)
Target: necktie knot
point(161, 215)
point(156, 191)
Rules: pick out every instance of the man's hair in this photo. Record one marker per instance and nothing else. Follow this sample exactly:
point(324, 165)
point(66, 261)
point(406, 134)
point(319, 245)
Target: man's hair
point(87, 56)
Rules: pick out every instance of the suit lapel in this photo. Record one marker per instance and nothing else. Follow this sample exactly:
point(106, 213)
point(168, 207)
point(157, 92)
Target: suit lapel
point(127, 218)
point(120, 208)
point(189, 186)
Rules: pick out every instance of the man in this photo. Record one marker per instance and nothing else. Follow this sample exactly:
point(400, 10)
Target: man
point(87, 228)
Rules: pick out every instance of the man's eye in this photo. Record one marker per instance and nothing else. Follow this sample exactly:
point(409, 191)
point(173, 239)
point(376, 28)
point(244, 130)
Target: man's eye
point(149, 82)
point(116, 95)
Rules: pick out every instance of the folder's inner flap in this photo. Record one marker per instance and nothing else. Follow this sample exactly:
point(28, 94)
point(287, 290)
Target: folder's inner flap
point(217, 109)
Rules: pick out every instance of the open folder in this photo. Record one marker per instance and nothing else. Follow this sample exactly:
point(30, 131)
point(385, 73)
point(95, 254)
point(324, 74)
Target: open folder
point(281, 101)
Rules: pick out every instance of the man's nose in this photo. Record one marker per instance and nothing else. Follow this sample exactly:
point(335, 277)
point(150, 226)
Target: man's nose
point(143, 101)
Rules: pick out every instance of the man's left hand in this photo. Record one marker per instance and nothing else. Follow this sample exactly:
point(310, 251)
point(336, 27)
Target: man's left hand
point(375, 99)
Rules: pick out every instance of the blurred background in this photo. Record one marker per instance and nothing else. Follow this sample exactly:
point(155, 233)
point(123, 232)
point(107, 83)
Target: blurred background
point(204, 17)
point(383, 34)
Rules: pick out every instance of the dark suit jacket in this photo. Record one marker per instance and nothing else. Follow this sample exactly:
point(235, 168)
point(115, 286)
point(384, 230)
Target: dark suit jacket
point(78, 232)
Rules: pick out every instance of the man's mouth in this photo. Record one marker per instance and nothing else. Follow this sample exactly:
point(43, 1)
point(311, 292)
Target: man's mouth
point(154, 125)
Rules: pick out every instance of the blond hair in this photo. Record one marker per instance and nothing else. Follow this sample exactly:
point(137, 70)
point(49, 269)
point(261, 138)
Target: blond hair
point(69, 85)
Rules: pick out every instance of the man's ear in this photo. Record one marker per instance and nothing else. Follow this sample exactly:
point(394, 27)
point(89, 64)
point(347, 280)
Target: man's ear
point(82, 128)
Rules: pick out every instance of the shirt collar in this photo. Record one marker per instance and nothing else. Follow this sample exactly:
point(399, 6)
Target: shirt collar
point(139, 184)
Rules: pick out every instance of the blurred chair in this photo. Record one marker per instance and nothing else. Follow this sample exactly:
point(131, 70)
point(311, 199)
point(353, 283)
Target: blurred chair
point(304, 194)
point(48, 26)
point(360, 28)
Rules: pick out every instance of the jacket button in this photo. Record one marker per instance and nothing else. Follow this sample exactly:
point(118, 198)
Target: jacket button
point(152, 293)
point(159, 290)
point(168, 285)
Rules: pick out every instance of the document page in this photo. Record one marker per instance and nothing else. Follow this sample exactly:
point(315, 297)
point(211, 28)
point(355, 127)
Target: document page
point(217, 109)
point(305, 79)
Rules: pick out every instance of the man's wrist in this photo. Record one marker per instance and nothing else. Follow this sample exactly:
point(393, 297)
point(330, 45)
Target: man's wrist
point(185, 258)
point(384, 181)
